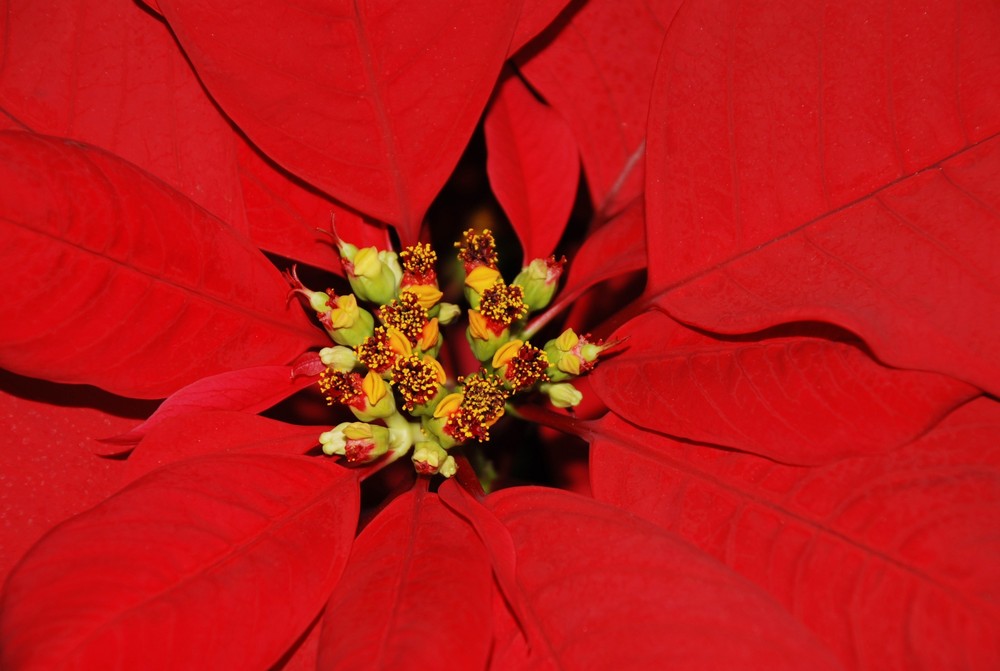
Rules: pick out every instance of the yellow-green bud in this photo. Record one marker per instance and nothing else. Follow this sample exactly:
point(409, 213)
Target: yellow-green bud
point(374, 275)
point(483, 341)
point(446, 313)
point(361, 443)
point(379, 402)
point(347, 323)
point(539, 279)
point(562, 395)
point(339, 358)
point(429, 458)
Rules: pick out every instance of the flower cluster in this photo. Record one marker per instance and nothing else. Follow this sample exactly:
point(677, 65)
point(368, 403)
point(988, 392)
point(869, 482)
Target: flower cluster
point(384, 364)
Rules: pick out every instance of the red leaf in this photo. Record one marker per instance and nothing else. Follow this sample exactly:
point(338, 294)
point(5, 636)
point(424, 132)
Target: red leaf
point(614, 249)
point(876, 206)
point(535, 16)
point(800, 397)
point(289, 217)
point(216, 432)
point(890, 559)
point(249, 390)
point(372, 106)
point(596, 70)
point(111, 75)
point(533, 166)
point(217, 562)
point(48, 471)
point(415, 594)
point(106, 270)
point(610, 591)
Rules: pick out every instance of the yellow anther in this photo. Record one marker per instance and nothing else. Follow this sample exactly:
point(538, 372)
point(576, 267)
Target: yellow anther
point(418, 260)
point(503, 304)
point(477, 249)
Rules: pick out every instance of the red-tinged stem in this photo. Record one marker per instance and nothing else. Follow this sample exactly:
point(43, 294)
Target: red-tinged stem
point(467, 478)
point(555, 420)
point(539, 322)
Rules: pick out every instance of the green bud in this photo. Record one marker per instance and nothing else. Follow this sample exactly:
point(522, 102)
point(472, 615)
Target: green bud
point(361, 443)
point(563, 356)
point(339, 358)
point(481, 337)
point(562, 395)
point(379, 402)
point(539, 280)
point(347, 324)
point(429, 458)
point(446, 313)
point(374, 275)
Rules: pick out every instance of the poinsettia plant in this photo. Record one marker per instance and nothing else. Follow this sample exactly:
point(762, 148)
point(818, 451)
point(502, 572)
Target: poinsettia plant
point(791, 416)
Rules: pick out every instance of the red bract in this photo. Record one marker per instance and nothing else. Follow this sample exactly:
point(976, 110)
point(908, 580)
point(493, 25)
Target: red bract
point(794, 463)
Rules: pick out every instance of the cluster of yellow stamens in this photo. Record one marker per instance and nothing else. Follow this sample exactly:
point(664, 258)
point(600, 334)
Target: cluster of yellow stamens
point(477, 249)
point(389, 376)
point(418, 380)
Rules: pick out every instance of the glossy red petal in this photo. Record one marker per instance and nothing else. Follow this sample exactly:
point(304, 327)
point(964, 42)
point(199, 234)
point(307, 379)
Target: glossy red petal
point(111, 75)
point(373, 106)
point(248, 390)
point(800, 397)
point(48, 470)
point(890, 559)
point(218, 562)
point(216, 432)
point(533, 166)
point(113, 279)
point(610, 591)
point(809, 162)
point(416, 593)
point(595, 67)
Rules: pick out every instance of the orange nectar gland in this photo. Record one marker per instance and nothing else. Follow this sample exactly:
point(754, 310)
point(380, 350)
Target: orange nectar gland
point(389, 376)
